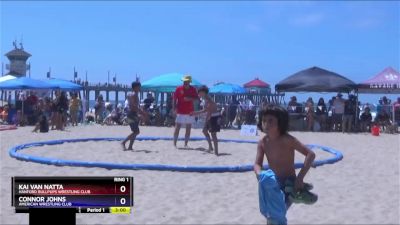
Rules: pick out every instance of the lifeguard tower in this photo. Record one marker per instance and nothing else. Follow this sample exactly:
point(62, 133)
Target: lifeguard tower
point(18, 58)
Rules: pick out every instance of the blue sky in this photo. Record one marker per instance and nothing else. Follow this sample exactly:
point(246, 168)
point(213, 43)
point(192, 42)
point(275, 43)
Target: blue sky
point(214, 41)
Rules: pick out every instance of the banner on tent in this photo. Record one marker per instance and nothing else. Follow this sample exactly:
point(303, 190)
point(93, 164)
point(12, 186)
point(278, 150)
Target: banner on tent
point(388, 86)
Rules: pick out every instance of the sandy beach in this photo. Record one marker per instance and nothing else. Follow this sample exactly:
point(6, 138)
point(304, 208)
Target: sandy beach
point(363, 188)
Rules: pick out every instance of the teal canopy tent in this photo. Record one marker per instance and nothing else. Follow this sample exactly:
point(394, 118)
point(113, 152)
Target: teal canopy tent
point(166, 83)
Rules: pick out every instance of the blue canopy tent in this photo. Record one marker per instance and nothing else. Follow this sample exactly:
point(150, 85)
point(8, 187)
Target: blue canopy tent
point(166, 83)
point(227, 88)
point(26, 83)
point(64, 84)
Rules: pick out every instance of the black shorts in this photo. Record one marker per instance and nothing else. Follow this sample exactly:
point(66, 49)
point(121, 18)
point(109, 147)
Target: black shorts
point(214, 124)
point(133, 121)
point(282, 184)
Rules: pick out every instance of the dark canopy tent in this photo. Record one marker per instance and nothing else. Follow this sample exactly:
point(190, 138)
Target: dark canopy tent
point(315, 79)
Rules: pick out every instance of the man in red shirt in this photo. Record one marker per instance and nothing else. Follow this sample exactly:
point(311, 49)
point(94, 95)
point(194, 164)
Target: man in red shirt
point(184, 97)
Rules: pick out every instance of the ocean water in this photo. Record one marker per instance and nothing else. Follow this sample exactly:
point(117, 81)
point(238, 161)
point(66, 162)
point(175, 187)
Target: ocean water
point(93, 102)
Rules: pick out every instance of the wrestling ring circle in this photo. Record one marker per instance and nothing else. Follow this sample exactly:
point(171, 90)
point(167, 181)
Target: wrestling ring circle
point(15, 152)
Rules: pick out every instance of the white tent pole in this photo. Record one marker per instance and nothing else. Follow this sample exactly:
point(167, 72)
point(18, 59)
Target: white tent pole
point(22, 113)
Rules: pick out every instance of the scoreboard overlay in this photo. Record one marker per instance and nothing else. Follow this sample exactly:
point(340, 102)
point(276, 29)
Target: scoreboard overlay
point(84, 194)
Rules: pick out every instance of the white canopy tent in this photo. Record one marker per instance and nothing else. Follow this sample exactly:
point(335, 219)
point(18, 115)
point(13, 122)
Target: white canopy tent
point(5, 78)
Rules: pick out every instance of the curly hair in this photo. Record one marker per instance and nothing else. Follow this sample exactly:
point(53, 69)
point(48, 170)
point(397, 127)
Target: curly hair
point(280, 113)
point(203, 89)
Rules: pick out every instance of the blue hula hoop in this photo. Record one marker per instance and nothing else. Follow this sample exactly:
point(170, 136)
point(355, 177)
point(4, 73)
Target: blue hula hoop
point(15, 153)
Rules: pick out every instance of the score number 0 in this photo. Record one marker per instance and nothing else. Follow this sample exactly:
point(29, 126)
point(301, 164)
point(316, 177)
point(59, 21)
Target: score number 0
point(122, 188)
point(122, 200)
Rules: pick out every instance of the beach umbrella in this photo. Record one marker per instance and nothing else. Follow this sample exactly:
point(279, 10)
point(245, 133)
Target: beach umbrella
point(64, 84)
point(227, 88)
point(166, 83)
point(25, 83)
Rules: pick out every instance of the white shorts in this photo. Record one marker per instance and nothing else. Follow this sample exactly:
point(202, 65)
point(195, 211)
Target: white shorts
point(184, 119)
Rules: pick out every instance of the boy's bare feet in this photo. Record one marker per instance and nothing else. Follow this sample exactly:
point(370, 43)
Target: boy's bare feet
point(130, 148)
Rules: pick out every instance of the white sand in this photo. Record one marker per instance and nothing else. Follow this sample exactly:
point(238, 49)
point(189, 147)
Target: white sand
point(363, 188)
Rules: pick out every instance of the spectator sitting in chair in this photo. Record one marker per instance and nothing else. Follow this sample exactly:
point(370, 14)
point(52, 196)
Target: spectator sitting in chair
point(42, 125)
point(148, 101)
point(4, 114)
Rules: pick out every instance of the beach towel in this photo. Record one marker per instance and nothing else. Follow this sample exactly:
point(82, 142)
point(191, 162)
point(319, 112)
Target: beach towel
point(7, 127)
point(271, 198)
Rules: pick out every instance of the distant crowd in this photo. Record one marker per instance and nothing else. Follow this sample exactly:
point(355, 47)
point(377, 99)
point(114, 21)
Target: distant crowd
point(346, 115)
point(43, 113)
point(66, 109)
point(86, 83)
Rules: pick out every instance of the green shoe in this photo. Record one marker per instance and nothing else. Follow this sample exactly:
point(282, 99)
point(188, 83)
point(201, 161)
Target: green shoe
point(303, 196)
point(289, 186)
point(308, 186)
